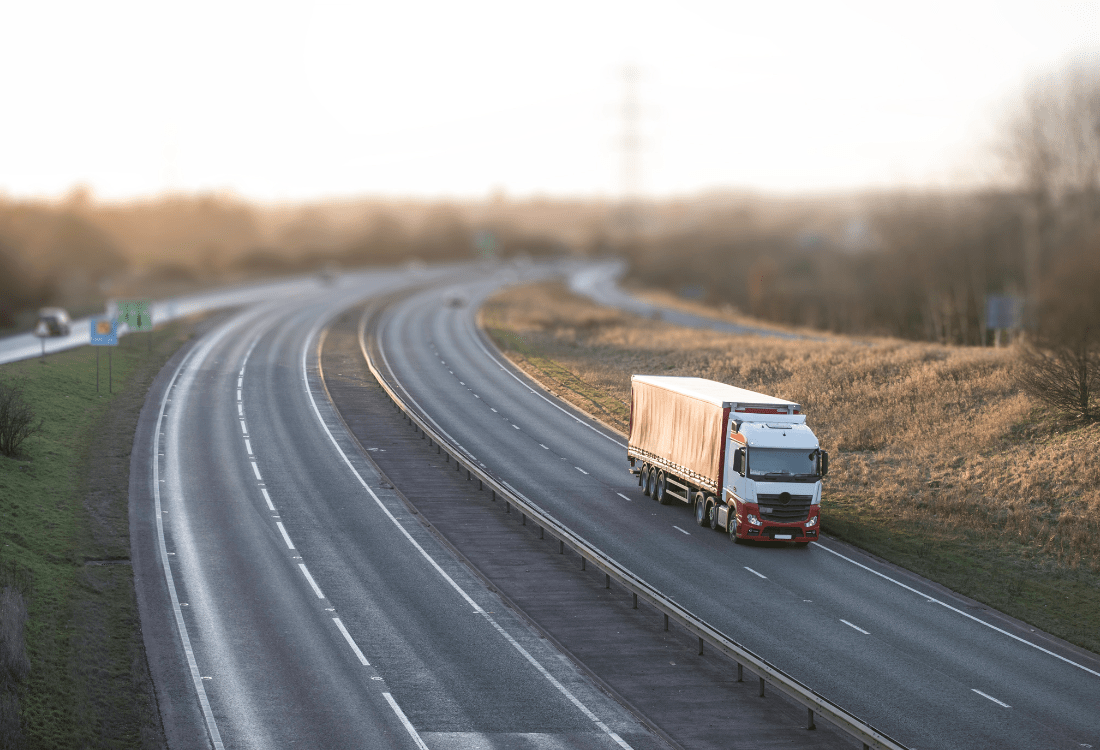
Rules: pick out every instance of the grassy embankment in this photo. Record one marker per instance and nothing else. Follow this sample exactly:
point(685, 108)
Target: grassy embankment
point(939, 463)
point(65, 547)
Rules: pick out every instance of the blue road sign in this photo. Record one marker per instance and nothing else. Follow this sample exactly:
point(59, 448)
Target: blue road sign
point(104, 332)
point(1003, 311)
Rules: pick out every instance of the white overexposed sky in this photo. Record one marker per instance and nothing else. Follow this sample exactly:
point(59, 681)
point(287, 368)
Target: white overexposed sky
point(284, 100)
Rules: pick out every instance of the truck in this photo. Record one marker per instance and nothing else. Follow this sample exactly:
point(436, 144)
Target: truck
point(745, 462)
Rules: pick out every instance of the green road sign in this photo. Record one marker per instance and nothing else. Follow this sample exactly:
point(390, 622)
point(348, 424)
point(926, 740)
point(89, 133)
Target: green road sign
point(135, 314)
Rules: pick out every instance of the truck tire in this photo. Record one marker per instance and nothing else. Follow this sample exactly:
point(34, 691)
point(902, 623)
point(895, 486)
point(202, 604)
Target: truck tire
point(731, 528)
point(700, 509)
point(647, 480)
point(663, 496)
point(712, 513)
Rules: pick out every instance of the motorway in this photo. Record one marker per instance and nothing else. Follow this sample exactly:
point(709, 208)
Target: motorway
point(311, 608)
point(926, 667)
point(290, 598)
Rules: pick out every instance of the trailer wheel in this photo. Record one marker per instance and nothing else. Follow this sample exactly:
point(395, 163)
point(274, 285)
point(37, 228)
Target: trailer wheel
point(647, 480)
point(712, 513)
point(700, 509)
point(661, 491)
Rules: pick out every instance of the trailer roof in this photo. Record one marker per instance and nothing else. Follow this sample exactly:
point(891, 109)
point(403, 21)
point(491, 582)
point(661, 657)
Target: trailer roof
point(712, 391)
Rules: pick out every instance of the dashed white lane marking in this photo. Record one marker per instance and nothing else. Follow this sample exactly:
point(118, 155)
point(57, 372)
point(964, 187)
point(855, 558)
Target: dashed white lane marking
point(624, 497)
point(754, 572)
point(957, 611)
point(313, 583)
point(493, 410)
point(248, 446)
point(543, 446)
point(443, 574)
point(404, 720)
point(856, 627)
point(240, 409)
point(516, 426)
point(990, 697)
point(256, 469)
point(582, 471)
point(286, 536)
point(681, 530)
point(461, 383)
point(476, 396)
point(267, 497)
point(239, 382)
point(238, 394)
point(244, 427)
point(348, 638)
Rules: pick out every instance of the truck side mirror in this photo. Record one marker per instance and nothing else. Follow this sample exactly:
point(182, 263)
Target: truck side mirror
point(739, 461)
point(824, 463)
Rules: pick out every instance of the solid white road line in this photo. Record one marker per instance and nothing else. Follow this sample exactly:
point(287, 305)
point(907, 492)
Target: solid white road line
point(267, 497)
point(431, 561)
point(181, 625)
point(313, 583)
point(856, 627)
point(477, 340)
point(256, 469)
point(408, 726)
point(754, 572)
point(681, 530)
point(990, 697)
point(286, 536)
point(347, 637)
point(624, 497)
point(958, 611)
point(582, 471)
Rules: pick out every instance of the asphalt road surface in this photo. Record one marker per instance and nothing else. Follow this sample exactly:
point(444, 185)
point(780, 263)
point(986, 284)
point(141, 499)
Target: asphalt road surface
point(927, 667)
point(309, 607)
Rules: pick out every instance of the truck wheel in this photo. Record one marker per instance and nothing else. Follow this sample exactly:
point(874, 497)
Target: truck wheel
point(712, 513)
point(662, 490)
point(731, 527)
point(647, 480)
point(700, 509)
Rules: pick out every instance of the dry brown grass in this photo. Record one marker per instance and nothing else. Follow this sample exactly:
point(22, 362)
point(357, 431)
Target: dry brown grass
point(939, 462)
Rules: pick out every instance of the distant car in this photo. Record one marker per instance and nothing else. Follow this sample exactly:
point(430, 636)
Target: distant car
point(53, 321)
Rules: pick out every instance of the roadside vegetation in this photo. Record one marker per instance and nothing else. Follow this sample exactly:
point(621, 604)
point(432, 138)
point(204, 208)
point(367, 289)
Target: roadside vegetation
point(940, 463)
point(73, 672)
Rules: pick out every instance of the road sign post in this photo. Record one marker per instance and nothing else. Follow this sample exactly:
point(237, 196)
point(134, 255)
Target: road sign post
point(42, 331)
point(104, 332)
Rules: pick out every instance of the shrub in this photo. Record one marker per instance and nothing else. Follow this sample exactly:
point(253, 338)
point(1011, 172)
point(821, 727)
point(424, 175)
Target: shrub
point(17, 419)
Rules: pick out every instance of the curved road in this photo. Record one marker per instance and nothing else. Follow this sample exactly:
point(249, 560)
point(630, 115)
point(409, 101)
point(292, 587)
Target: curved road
point(313, 608)
point(922, 665)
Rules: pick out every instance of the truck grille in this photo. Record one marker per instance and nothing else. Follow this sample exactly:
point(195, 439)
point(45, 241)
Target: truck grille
point(784, 507)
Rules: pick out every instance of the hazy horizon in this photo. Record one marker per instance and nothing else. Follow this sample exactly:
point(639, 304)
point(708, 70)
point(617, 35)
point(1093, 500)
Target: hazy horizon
point(289, 102)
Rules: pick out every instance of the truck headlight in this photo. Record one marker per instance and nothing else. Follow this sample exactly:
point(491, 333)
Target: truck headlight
point(812, 522)
point(753, 520)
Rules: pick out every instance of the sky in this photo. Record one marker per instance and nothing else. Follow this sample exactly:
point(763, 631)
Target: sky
point(290, 101)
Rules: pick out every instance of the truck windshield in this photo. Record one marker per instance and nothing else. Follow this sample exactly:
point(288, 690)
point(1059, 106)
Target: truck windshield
point(779, 463)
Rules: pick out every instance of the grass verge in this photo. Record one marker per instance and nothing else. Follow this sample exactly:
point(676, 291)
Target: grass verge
point(65, 542)
point(940, 464)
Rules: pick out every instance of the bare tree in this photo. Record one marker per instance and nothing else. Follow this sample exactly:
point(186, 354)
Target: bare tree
point(17, 419)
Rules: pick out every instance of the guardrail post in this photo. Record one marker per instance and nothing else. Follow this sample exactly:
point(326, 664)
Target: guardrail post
point(480, 486)
point(666, 623)
point(542, 533)
point(507, 507)
point(607, 580)
point(635, 601)
point(561, 547)
point(761, 687)
point(494, 496)
point(810, 719)
point(582, 562)
point(740, 674)
point(700, 645)
point(524, 519)
point(468, 475)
